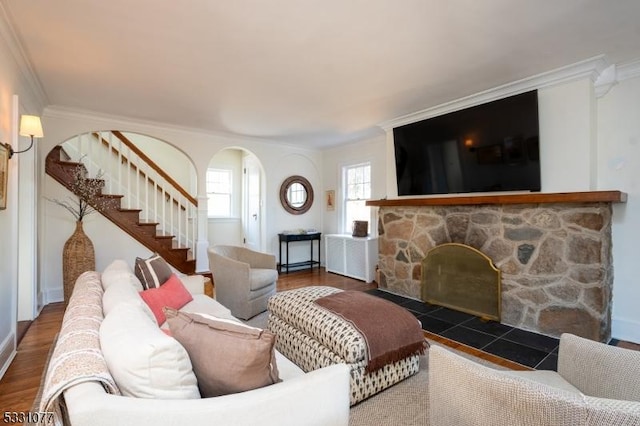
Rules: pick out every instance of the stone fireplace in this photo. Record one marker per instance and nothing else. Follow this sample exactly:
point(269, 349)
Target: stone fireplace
point(553, 250)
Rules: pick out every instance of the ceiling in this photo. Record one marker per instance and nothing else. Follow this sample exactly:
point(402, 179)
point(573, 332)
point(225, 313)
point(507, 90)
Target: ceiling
point(311, 72)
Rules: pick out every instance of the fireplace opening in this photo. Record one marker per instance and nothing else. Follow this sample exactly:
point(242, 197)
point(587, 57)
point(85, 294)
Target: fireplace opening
point(460, 277)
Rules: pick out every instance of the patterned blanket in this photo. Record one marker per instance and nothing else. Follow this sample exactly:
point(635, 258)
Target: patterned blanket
point(77, 357)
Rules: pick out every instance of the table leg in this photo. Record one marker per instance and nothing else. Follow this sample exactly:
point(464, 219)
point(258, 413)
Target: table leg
point(287, 257)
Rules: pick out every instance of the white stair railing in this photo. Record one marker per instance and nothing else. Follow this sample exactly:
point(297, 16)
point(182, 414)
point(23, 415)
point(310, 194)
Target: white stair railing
point(128, 172)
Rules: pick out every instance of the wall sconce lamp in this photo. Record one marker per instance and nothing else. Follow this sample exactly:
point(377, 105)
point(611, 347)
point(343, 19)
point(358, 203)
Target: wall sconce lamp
point(468, 143)
point(30, 125)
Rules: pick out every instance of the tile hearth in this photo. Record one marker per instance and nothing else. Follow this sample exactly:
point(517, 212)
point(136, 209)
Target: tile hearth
point(524, 347)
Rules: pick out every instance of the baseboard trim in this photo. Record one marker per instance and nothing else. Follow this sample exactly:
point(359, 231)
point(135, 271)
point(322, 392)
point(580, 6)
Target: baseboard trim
point(55, 295)
point(626, 330)
point(7, 353)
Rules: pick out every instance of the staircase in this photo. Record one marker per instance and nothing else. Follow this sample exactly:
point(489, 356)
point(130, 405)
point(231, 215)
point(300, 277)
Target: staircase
point(151, 233)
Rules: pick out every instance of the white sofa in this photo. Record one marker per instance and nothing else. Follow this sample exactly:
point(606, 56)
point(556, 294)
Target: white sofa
point(320, 397)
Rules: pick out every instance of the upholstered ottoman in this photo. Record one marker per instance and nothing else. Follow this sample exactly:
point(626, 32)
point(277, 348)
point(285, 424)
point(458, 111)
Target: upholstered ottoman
point(313, 337)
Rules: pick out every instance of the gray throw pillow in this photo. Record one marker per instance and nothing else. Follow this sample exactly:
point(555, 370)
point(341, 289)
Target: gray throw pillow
point(152, 272)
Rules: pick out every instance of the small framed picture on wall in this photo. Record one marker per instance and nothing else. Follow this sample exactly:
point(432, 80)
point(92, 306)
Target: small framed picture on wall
point(331, 199)
point(4, 174)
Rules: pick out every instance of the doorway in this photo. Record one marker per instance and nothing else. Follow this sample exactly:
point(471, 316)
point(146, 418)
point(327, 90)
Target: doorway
point(241, 222)
point(251, 203)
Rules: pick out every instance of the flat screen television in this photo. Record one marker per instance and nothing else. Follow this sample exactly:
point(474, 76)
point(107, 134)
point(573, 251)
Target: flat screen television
point(484, 148)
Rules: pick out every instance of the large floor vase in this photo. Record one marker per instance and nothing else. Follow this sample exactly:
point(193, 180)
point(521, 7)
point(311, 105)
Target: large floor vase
point(78, 256)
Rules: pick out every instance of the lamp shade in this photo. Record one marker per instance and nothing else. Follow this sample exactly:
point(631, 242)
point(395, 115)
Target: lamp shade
point(30, 126)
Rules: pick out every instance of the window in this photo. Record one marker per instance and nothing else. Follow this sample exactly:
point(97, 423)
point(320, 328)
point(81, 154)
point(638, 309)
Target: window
point(357, 189)
point(219, 192)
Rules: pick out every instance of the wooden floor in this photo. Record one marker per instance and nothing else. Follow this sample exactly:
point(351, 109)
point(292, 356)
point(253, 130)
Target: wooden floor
point(20, 384)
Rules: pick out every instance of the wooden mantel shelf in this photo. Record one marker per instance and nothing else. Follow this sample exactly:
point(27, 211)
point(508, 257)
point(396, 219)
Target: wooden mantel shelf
point(524, 198)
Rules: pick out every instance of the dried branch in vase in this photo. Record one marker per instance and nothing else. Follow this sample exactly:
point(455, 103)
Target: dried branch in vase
point(88, 193)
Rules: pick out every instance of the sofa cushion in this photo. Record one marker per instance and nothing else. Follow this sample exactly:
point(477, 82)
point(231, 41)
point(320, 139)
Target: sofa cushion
point(119, 271)
point(152, 272)
point(261, 278)
point(144, 361)
point(206, 305)
point(123, 292)
point(227, 357)
point(171, 294)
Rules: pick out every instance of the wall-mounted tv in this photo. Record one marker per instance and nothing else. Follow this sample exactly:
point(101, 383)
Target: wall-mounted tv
point(484, 148)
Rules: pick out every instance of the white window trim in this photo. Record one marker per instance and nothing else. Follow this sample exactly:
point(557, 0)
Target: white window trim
point(344, 226)
point(231, 212)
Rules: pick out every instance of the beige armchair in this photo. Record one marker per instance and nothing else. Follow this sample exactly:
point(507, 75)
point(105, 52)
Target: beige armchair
point(243, 279)
point(596, 384)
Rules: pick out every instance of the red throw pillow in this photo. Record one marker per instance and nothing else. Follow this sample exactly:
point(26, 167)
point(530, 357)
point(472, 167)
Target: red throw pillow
point(172, 294)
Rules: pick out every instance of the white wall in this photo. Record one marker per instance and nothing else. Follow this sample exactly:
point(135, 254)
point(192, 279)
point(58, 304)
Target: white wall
point(168, 158)
point(15, 82)
point(308, 165)
point(619, 168)
point(566, 112)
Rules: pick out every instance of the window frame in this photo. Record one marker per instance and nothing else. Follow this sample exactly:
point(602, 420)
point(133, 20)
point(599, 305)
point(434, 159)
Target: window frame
point(346, 222)
point(229, 194)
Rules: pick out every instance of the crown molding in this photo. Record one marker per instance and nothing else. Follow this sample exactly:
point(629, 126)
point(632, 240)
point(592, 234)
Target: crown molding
point(29, 77)
point(606, 80)
point(629, 70)
point(615, 74)
point(590, 68)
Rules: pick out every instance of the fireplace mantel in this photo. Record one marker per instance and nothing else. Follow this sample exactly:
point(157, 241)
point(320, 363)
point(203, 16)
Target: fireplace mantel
point(523, 198)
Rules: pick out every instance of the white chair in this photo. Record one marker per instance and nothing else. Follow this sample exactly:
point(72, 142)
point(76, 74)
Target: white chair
point(596, 384)
point(243, 279)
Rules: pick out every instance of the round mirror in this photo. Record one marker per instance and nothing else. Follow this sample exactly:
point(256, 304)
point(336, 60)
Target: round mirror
point(296, 195)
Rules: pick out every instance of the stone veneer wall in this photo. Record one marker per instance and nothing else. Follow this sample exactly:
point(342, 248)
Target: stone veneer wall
point(556, 264)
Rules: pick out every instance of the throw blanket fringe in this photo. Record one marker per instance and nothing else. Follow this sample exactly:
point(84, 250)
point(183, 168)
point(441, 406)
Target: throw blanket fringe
point(391, 333)
point(77, 357)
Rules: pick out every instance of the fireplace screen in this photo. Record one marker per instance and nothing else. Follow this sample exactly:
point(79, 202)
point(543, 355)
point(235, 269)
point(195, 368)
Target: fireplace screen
point(460, 277)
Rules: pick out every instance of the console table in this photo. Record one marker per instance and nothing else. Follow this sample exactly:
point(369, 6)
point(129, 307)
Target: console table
point(287, 238)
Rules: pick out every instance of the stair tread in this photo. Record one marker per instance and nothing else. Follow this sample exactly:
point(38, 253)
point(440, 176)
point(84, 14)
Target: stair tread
point(142, 223)
point(164, 236)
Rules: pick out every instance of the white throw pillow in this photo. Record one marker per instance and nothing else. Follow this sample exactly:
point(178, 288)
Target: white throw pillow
point(119, 271)
point(143, 360)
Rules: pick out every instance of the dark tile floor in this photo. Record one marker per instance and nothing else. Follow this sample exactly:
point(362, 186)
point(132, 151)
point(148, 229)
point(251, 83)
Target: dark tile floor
point(524, 347)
